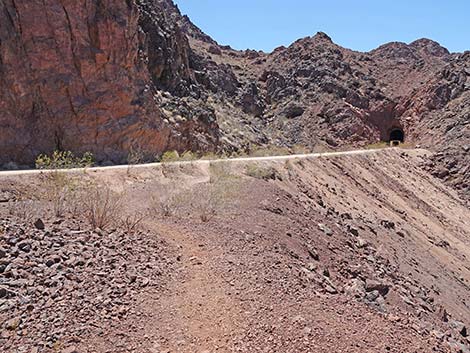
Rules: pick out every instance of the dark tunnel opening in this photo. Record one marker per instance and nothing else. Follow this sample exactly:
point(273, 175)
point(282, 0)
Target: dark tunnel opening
point(397, 135)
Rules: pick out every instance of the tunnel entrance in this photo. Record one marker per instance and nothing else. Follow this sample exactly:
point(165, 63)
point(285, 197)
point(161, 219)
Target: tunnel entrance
point(397, 135)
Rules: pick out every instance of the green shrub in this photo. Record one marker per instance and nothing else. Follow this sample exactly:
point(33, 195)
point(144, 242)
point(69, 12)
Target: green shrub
point(377, 145)
point(170, 156)
point(270, 150)
point(188, 156)
point(261, 172)
point(211, 156)
point(64, 160)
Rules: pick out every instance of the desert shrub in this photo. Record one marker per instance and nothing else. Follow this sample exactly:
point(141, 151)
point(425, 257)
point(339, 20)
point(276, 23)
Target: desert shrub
point(211, 156)
point(57, 192)
point(261, 172)
point(221, 172)
point(102, 207)
point(377, 145)
point(132, 222)
point(170, 156)
point(270, 150)
point(136, 155)
point(64, 160)
point(188, 156)
point(60, 190)
point(300, 149)
point(222, 189)
point(168, 201)
point(24, 209)
point(239, 154)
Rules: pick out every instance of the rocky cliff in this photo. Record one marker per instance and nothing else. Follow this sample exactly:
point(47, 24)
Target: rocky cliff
point(85, 76)
point(106, 76)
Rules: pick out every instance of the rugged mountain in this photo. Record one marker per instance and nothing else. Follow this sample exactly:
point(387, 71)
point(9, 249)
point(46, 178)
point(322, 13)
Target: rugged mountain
point(105, 76)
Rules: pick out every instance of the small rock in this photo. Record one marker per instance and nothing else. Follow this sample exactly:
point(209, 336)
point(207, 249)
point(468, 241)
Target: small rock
point(356, 288)
point(13, 324)
point(71, 349)
point(50, 262)
point(361, 243)
point(24, 246)
point(313, 253)
point(39, 224)
point(372, 296)
point(459, 327)
point(312, 267)
point(388, 224)
point(353, 230)
point(325, 229)
point(443, 244)
point(372, 285)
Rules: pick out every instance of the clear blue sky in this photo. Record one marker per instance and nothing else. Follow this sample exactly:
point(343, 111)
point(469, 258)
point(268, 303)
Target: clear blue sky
point(356, 24)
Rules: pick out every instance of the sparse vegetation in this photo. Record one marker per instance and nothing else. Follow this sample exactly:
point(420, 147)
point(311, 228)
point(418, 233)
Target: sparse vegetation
point(221, 189)
point(64, 160)
point(136, 155)
point(170, 156)
point(377, 145)
point(204, 200)
point(261, 172)
point(188, 156)
point(23, 209)
point(270, 150)
point(132, 222)
point(60, 190)
point(168, 201)
point(102, 207)
point(213, 156)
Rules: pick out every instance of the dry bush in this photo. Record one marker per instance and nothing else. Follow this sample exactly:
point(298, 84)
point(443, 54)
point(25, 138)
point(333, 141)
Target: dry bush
point(212, 197)
point(59, 190)
point(261, 172)
point(102, 207)
point(212, 156)
point(170, 156)
point(132, 223)
point(188, 156)
point(300, 149)
point(24, 209)
point(377, 145)
point(270, 150)
point(168, 201)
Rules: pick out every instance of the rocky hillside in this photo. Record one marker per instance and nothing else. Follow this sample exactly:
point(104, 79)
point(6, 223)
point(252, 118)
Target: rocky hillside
point(108, 76)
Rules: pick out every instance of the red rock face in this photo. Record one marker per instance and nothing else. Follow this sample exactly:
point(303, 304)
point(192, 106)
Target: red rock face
point(74, 75)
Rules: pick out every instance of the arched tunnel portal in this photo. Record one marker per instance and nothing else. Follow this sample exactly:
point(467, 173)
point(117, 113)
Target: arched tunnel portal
point(397, 134)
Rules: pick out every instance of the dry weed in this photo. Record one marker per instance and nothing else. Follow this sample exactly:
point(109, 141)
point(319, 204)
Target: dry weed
point(132, 223)
point(102, 207)
point(168, 201)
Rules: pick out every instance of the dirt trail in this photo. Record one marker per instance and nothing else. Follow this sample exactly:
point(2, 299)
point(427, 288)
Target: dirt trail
point(198, 314)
